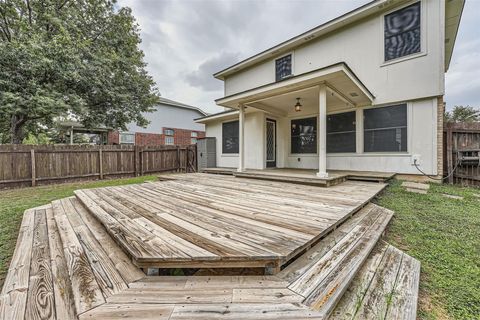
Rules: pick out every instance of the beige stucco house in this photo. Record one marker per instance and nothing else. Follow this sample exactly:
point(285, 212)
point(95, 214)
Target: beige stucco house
point(361, 92)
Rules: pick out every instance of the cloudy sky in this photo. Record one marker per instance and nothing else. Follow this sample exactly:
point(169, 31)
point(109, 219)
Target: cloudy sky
point(186, 41)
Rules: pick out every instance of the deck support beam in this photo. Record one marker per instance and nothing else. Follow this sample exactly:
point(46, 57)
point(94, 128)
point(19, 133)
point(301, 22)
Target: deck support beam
point(322, 132)
point(241, 138)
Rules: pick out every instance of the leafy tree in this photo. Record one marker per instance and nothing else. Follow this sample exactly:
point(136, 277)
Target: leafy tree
point(76, 58)
point(463, 114)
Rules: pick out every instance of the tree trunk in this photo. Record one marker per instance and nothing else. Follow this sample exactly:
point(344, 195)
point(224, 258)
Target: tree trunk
point(16, 129)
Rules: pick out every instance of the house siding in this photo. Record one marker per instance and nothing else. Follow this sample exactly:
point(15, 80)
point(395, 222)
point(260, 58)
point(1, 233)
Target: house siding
point(360, 46)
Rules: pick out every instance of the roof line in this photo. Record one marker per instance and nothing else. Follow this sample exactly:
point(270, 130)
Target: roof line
point(216, 114)
point(341, 63)
point(219, 73)
point(180, 105)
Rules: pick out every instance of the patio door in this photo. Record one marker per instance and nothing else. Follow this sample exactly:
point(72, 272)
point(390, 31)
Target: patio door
point(271, 143)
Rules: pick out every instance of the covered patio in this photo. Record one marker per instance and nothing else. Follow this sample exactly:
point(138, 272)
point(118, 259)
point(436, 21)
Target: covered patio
point(308, 96)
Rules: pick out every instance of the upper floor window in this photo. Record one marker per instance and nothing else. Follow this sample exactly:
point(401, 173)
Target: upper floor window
point(304, 135)
point(127, 138)
point(168, 132)
point(341, 135)
point(230, 137)
point(385, 129)
point(194, 134)
point(283, 67)
point(402, 32)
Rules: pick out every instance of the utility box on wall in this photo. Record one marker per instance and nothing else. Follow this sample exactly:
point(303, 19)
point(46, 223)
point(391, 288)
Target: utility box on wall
point(206, 153)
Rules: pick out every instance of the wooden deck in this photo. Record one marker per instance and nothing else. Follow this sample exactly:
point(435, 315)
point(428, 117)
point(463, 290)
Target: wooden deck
point(305, 176)
point(69, 265)
point(200, 220)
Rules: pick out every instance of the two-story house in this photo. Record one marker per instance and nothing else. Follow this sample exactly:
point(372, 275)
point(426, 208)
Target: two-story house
point(361, 92)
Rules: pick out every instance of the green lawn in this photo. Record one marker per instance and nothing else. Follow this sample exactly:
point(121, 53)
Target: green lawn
point(14, 202)
point(444, 234)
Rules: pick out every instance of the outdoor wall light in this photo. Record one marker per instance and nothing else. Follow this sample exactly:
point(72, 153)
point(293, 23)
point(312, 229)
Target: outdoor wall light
point(298, 106)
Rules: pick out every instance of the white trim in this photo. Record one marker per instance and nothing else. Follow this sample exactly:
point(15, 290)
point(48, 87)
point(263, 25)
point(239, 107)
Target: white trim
point(423, 34)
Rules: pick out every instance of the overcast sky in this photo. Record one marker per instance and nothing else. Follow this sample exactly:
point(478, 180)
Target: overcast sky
point(186, 41)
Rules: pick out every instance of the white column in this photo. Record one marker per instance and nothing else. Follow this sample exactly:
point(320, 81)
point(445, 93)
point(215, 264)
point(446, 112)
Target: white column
point(322, 132)
point(359, 130)
point(241, 138)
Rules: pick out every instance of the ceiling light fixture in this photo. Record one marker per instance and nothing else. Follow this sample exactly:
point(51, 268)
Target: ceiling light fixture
point(298, 106)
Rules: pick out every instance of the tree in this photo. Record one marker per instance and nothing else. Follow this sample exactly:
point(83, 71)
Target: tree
point(76, 58)
point(463, 114)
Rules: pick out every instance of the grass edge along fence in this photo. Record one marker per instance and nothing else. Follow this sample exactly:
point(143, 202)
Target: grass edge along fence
point(31, 165)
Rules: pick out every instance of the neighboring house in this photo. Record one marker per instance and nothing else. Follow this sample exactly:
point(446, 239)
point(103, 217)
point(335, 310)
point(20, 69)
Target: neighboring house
point(172, 123)
point(361, 92)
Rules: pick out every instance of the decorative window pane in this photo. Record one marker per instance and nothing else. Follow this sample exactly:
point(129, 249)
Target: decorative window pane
point(283, 67)
point(127, 138)
point(304, 135)
point(169, 132)
point(193, 140)
point(194, 134)
point(169, 140)
point(385, 129)
point(341, 135)
point(402, 32)
point(230, 137)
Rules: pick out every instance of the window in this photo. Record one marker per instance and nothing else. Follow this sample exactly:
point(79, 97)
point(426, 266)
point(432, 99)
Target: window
point(341, 132)
point(193, 140)
point(230, 137)
point(402, 32)
point(304, 135)
point(283, 67)
point(169, 140)
point(385, 129)
point(127, 138)
point(168, 132)
point(194, 134)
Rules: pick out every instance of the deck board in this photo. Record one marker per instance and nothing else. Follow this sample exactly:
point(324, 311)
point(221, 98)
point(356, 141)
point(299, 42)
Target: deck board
point(221, 220)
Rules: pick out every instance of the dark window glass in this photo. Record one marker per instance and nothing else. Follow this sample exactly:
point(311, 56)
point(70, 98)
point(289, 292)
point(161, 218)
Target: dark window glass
point(341, 132)
point(230, 137)
point(283, 67)
point(402, 32)
point(385, 129)
point(304, 135)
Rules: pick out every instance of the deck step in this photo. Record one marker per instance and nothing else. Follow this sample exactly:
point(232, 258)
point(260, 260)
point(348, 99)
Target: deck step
point(324, 273)
point(386, 287)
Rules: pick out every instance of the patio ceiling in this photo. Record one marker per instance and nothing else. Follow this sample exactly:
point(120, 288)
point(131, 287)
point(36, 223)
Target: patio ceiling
point(344, 89)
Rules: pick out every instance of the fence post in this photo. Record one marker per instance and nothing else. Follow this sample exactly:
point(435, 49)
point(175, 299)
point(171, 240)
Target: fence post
point(186, 159)
point(141, 161)
point(100, 162)
point(449, 153)
point(32, 157)
point(136, 160)
point(178, 158)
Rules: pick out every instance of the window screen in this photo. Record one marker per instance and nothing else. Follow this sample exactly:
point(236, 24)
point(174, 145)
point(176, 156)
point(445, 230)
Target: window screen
point(127, 138)
point(194, 134)
point(304, 135)
point(402, 32)
point(169, 132)
point(230, 137)
point(169, 140)
point(341, 135)
point(385, 129)
point(283, 67)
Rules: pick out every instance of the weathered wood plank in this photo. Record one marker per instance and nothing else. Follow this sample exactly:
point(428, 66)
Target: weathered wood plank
point(40, 300)
point(129, 311)
point(169, 296)
point(86, 291)
point(15, 288)
point(64, 299)
point(243, 311)
point(266, 295)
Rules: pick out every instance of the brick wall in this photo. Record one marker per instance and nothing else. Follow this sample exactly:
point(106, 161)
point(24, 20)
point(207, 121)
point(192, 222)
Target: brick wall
point(113, 137)
point(181, 137)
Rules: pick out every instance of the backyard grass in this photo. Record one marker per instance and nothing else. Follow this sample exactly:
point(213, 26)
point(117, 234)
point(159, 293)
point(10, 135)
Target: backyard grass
point(444, 234)
point(14, 202)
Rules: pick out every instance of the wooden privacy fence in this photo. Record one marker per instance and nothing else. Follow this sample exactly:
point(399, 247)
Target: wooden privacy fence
point(462, 153)
point(22, 165)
